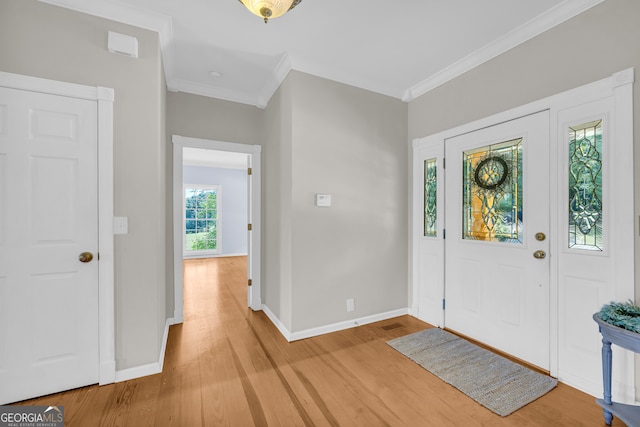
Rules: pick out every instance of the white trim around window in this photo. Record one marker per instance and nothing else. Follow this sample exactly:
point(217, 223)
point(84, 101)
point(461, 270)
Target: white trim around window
point(202, 253)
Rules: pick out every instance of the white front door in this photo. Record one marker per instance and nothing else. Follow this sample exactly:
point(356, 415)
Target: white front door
point(497, 236)
point(48, 218)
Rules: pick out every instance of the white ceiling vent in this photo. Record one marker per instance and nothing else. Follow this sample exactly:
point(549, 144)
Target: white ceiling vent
point(122, 44)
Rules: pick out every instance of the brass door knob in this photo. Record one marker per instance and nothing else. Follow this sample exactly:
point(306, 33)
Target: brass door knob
point(539, 254)
point(540, 237)
point(85, 257)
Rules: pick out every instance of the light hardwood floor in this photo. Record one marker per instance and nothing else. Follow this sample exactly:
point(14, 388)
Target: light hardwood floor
point(228, 365)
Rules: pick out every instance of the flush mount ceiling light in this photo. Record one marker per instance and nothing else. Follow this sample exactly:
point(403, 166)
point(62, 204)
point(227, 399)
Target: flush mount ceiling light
point(269, 9)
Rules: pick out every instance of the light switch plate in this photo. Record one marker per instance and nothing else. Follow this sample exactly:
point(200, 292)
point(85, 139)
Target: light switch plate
point(120, 225)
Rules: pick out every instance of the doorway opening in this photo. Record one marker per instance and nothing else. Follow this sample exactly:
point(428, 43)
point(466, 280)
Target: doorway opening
point(207, 224)
point(215, 203)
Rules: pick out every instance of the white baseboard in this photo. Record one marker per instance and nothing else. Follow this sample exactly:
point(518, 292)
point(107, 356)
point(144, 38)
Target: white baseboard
point(413, 310)
point(107, 372)
point(196, 256)
point(622, 393)
point(150, 368)
point(138, 372)
point(278, 324)
point(334, 327)
point(165, 337)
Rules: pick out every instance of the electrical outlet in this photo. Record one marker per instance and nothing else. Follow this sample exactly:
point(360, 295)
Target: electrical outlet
point(351, 304)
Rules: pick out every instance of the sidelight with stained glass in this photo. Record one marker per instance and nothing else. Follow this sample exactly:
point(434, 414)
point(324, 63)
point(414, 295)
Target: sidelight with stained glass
point(430, 197)
point(492, 193)
point(585, 186)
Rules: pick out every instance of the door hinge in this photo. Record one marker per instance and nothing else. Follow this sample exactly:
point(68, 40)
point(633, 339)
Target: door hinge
point(249, 282)
point(444, 233)
point(249, 227)
point(444, 163)
point(249, 171)
point(443, 303)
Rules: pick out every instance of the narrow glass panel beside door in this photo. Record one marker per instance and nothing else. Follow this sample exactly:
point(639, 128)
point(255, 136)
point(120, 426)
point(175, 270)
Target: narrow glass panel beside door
point(585, 186)
point(492, 193)
point(430, 197)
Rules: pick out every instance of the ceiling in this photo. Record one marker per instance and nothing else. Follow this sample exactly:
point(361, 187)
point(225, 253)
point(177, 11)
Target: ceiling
point(399, 48)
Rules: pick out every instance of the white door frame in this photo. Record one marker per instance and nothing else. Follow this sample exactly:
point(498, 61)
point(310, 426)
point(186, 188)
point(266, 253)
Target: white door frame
point(104, 98)
point(620, 86)
point(254, 299)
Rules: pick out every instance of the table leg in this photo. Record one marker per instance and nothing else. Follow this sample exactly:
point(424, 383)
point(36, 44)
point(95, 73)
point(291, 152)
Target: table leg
point(606, 378)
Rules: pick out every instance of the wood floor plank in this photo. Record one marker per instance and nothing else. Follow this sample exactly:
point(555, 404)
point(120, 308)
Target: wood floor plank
point(227, 365)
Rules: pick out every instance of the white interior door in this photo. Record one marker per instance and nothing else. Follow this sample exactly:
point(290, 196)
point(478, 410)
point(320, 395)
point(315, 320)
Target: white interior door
point(48, 217)
point(497, 242)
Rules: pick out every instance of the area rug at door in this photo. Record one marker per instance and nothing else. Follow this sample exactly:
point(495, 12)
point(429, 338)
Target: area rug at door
point(496, 383)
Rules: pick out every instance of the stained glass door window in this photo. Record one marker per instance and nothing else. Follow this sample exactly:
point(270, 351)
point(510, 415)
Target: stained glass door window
point(430, 197)
point(492, 193)
point(585, 186)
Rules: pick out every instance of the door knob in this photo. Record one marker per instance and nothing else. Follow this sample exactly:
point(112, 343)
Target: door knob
point(539, 254)
point(85, 257)
point(540, 237)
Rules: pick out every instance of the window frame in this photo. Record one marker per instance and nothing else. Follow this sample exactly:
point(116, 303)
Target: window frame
point(202, 253)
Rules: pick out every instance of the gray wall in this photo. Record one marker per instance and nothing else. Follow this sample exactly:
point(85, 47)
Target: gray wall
point(206, 118)
point(321, 136)
point(233, 203)
point(277, 204)
point(352, 144)
point(41, 40)
point(589, 47)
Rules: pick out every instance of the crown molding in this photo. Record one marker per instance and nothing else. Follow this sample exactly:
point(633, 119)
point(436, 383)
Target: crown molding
point(187, 86)
point(538, 25)
point(162, 24)
point(261, 100)
point(275, 80)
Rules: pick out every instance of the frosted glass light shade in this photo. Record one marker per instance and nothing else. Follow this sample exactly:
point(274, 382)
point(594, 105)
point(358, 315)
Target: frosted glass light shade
point(268, 9)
